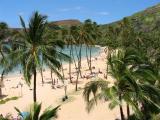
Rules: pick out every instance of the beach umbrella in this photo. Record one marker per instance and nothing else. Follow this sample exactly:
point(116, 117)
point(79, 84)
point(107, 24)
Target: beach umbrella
point(24, 115)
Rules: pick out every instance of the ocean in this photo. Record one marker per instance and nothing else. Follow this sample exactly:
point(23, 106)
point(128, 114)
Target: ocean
point(66, 50)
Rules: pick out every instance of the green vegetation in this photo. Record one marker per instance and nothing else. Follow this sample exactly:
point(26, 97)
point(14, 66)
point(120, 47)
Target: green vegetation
point(34, 47)
point(34, 113)
point(135, 86)
point(3, 101)
point(133, 57)
point(145, 22)
point(132, 52)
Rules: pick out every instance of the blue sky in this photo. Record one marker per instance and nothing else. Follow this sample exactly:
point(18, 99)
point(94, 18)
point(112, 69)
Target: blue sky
point(101, 11)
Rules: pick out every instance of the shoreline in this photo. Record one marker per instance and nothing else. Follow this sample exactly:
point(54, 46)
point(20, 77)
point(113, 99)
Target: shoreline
point(17, 72)
point(53, 97)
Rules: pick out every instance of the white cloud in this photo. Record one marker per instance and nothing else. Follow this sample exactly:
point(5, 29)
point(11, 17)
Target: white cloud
point(64, 9)
point(21, 13)
point(103, 13)
point(69, 9)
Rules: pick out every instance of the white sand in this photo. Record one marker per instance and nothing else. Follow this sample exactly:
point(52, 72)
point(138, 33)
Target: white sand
point(73, 109)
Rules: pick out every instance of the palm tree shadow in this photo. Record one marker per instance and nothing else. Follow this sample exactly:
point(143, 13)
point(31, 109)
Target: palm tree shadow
point(49, 82)
point(3, 96)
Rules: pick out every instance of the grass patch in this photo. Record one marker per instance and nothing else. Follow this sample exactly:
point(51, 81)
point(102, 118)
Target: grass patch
point(8, 99)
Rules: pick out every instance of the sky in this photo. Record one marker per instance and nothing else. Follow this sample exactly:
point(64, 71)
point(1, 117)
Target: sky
point(101, 11)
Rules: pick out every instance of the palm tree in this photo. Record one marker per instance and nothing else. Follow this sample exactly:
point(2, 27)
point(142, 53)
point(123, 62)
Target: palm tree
point(84, 36)
point(130, 85)
point(4, 33)
point(72, 41)
point(33, 45)
point(90, 32)
point(4, 66)
point(68, 36)
point(111, 41)
point(115, 93)
point(64, 34)
point(35, 110)
point(41, 71)
point(95, 35)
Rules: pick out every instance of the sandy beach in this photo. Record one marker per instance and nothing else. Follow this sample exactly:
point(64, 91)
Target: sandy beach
point(73, 108)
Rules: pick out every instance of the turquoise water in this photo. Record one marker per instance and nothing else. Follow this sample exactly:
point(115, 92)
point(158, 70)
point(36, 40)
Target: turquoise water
point(95, 51)
point(66, 50)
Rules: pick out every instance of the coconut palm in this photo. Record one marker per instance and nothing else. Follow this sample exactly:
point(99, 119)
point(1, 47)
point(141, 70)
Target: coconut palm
point(111, 41)
point(95, 35)
point(130, 86)
point(84, 36)
point(4, 33)
point(89, 32)
point(33, 45)
point(92, 33)
point(70, 42)
point(64, 34)
point(118, 71)
point(35, 113)
point(67, 36)
point(73, 40)
point(53, 34)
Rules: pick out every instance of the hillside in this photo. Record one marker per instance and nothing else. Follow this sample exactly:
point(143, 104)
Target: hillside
point(66, 23)
point(145, 21)
point(57, 24)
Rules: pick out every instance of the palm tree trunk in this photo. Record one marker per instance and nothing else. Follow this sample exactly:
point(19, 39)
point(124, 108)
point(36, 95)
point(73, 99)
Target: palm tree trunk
point(62, 69)
point(74, 58)
point(1, 81)
point(0, 92)
point(65, 91)
point(70, 77)
point(87, 58)
point(41, 70)
point(128, 111)
point(42, 75)
point(121, 109)
point(2, 54)
point(90, 59)
point(34, 86)
point(108, 55)
point(80, 60)
point(76, 51)
point(79, 67)
point(78, 72)
point(62, 66)
point(2, 75)
point(121, 112)
point(51, 75)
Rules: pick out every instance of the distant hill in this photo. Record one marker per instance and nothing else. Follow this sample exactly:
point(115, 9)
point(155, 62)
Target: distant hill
point(65, 23)
point(145, 21)
point(57, 24)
